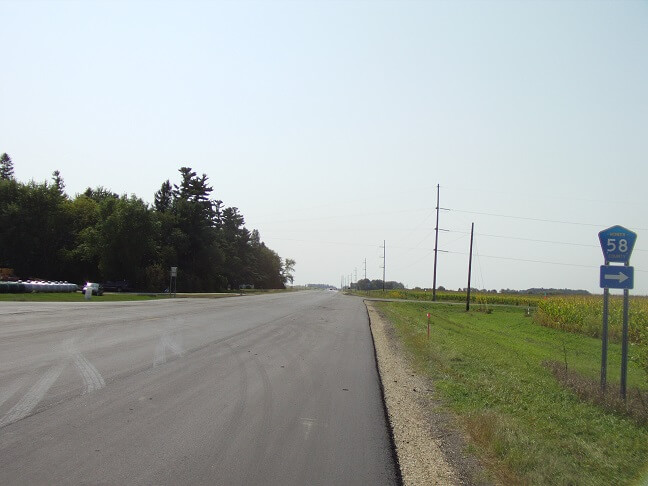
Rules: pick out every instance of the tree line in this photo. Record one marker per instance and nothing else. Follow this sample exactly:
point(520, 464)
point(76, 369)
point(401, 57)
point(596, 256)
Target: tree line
point(366, 284)
point(99, 235)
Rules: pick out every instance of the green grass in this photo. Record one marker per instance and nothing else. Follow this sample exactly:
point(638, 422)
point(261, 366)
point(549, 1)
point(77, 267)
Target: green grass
point(74, 297)
point(529, 429)
point(120, 297)
point(480, 298)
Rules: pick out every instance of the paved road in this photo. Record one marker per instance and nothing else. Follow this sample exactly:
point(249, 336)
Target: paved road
point(273, 389)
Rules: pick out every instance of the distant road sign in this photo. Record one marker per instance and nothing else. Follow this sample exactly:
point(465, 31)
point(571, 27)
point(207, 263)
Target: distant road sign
point(615, 277)
point(617, 243)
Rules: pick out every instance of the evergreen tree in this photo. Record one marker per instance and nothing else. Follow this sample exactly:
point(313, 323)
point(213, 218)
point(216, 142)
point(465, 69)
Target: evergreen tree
point(164, 197)
point(99, 235)
point(6, 167)
point(57, 179)
point(183, 191)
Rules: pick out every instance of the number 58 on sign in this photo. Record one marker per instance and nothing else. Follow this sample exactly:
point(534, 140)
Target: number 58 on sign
point(617, 243)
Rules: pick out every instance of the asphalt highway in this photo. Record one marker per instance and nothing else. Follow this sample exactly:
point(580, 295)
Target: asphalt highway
point(277, 389)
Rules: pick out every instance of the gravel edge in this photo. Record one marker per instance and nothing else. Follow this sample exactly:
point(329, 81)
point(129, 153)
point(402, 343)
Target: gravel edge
point(419, 453)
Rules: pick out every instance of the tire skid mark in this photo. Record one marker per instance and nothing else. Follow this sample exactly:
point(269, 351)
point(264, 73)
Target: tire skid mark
point(35, 394)
point(234, 421)
point(91, 377)
point(167, 341)
point(264, 426)
point(9, 391)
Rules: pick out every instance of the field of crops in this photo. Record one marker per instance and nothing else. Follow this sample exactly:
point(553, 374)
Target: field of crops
point(445, 296)
point(584, 315)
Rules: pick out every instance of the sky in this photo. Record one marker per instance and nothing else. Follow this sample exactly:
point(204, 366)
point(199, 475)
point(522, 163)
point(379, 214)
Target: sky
point(329, 124)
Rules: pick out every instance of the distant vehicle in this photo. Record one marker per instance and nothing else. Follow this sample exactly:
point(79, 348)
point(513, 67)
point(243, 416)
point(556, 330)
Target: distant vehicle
point(116, 286)
point(97, 288)
point(331, 288)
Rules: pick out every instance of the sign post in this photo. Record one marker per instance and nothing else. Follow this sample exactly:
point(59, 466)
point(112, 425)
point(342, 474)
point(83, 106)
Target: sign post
point(617, 244)
point(173, 281)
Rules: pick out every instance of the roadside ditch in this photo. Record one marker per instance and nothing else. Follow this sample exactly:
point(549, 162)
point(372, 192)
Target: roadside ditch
point(430, 448)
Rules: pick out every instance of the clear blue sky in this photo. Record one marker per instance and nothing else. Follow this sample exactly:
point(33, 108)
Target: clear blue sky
point(329, 124)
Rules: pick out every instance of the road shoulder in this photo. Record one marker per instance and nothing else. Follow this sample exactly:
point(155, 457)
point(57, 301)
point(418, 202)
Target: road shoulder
point(429, 447)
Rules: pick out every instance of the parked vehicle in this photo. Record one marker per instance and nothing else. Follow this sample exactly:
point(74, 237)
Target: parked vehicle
point(97, 288)
point(116, 286)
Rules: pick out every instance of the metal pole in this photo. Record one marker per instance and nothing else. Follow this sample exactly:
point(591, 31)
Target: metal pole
point(624, 345)
point(604, 338)
point(472, 230)
point(436, 244)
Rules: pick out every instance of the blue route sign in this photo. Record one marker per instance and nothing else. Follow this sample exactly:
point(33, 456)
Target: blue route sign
point(616, 277)
point(617, 243)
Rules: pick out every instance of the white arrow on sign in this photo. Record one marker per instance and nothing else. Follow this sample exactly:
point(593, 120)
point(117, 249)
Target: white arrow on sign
point(621, 277)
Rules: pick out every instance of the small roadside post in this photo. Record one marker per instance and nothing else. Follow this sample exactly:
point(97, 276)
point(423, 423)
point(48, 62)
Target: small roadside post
point(617, 244)
point(428, 327)
point(173, 281)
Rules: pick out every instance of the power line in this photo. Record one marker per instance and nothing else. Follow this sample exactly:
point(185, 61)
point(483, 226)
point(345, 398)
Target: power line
point(533, 239)
point(429, 250)
point(575, 223)
point(540, 195)
point(532, 261)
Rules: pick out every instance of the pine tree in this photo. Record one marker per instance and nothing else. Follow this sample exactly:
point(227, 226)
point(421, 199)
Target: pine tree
point(164, 197)
point(6, 167)
point(58, 182)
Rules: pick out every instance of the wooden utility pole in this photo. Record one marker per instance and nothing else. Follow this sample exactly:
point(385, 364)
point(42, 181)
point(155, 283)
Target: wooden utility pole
point(472, 231)
point(436, 244)
point(384, 262)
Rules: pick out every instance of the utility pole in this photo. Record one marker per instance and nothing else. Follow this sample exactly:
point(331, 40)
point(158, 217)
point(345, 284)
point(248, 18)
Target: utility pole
point(365, 268)
point(436, 245)
point(472, 231)
point(384, 263)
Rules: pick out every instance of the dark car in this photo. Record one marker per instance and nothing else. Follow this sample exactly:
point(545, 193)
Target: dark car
point(116, 286)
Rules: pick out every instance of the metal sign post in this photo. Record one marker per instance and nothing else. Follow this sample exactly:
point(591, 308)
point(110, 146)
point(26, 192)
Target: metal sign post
point(617, 244)
point(173, 281)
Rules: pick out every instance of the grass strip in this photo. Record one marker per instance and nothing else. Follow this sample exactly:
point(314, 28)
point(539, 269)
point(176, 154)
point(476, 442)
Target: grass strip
point(75, 297)
point(526, 426)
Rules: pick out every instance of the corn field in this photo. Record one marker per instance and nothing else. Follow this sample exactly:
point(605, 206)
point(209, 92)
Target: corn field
point(584, 315)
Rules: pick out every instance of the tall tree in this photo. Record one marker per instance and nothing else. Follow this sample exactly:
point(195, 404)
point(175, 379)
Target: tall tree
point(57, 179)
point(125, 239)
point(34, 228)
point(183, 191)
point(164, 197)
point(6, 167)
point(288, 270)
